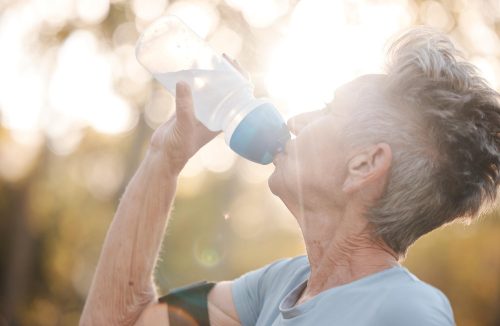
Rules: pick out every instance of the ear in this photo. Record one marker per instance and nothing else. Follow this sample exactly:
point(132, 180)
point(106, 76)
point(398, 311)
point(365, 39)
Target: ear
point(367, 167)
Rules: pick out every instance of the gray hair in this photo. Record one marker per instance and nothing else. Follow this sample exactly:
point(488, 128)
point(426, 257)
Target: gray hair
point(442, 122)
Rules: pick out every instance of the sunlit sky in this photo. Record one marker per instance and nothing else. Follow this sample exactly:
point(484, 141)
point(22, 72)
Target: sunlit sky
point(57, 89)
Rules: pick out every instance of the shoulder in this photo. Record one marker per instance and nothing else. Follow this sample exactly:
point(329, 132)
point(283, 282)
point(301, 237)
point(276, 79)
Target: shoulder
point(252, 291)
point(284, 271)
point(288, 265)
point(280, 268)
point(273, 274)
point(414, 302)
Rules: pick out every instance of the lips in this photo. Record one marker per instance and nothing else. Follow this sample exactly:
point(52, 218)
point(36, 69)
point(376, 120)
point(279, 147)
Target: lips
point(278, 157)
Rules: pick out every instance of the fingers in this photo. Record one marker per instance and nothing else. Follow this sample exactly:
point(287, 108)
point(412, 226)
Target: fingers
point(183, 102)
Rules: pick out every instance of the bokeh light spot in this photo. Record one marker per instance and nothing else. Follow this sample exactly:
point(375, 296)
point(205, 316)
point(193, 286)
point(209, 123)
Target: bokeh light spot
point(92, 11)
point(200, 16)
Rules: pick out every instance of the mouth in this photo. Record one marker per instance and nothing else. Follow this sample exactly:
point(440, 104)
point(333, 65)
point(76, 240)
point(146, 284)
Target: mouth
point(277, 158)
point(281, 153)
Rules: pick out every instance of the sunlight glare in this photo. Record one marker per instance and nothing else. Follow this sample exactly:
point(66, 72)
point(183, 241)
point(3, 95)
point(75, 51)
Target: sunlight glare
point(22, 84)
point(20, 110)
point(81, 87)
point(64, 136)
point(489, 69)
point(436, 15)
point(328, 44)
point(92, 11)
point(209, 251)
point(216, 156)
point(159, 107)
point(148, 10)
point(200, 16)
point(254, 173)
point(193, 168)
point(225, 40)
point(262, 13)
point(481, 37)
point(113, 116)
point(310, 59)
point(55, 12)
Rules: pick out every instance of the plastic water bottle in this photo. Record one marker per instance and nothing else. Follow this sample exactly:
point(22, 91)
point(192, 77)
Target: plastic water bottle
point(223, 98)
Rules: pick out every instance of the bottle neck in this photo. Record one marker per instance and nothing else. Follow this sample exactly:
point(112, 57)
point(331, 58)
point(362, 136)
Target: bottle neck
point(233, 120)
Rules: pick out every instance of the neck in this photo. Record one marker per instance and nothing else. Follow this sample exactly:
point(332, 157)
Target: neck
point(341, 249)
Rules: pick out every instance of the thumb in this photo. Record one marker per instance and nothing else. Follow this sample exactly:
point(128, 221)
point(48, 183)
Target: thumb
point(184, 109)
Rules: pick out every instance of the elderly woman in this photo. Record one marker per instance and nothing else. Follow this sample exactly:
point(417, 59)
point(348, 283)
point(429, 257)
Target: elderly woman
point(393, 157)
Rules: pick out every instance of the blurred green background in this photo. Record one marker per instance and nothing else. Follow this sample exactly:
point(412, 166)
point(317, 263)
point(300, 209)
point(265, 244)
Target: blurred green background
point(77, 111)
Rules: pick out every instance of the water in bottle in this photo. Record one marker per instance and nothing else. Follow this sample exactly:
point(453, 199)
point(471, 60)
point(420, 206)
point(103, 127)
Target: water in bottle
point(222, 97)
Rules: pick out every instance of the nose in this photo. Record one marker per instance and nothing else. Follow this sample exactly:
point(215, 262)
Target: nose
point(296, 123)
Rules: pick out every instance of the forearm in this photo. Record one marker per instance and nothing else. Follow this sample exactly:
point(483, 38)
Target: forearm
point(123, 283)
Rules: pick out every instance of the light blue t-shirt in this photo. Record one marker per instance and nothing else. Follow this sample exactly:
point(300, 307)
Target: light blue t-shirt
point(393, 297)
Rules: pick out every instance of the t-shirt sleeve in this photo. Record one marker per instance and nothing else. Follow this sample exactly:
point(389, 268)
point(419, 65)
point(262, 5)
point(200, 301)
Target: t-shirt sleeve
point(426, 306)
point(249, 291)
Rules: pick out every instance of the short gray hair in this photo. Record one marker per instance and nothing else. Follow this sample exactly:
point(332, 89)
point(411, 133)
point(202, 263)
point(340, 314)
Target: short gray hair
point(442, 121)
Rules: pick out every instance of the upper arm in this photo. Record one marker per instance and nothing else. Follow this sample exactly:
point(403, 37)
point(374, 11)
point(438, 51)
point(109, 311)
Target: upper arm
point(154, 314)
point(221, 309)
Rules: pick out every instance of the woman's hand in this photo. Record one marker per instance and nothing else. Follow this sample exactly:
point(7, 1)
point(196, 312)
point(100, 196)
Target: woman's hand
point(179, 138)
point(183, 134)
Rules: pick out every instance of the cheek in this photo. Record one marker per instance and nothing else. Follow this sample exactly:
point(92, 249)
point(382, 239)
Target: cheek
point(322, 164)
point(315, 155)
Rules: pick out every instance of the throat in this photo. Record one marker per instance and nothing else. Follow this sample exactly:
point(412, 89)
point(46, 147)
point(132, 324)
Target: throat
point(342, 249)
point(338, 267)
point(313, 287)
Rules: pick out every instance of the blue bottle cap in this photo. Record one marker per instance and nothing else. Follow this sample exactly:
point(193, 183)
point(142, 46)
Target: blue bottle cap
point(260, 135)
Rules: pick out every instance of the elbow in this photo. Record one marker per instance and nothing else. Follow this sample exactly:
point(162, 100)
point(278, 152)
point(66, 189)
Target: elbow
point(98, 319)
point(94, 317)
point(120, 315)
point(88, 319)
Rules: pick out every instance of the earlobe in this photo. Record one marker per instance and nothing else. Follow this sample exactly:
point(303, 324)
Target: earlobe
point(371, 164)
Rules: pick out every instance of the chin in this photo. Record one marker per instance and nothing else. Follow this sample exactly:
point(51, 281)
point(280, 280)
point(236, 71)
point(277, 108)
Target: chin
point(274, 183)
point(279, 186)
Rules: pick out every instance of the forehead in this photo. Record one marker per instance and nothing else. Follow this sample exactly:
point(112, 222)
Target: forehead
point(360, 92)
point(361, 85)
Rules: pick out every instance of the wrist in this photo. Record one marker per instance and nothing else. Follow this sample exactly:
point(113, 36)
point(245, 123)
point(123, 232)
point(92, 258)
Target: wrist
point(168, 165)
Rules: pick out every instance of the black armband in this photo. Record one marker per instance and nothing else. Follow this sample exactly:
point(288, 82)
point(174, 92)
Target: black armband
point(188, 305)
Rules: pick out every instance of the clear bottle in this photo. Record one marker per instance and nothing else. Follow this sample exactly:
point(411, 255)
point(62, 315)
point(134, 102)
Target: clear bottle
point(223, 98)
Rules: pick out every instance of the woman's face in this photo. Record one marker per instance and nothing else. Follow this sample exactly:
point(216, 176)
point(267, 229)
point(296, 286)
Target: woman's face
point(312, 169)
